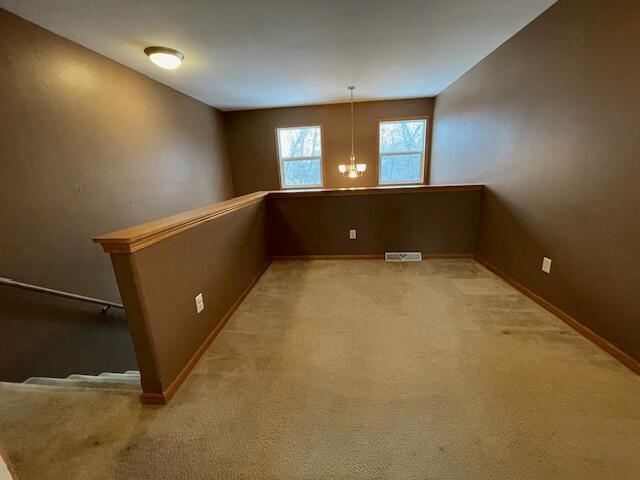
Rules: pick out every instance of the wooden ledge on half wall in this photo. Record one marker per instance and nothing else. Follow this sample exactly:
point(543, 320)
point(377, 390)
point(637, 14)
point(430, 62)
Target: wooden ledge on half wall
point(383, 189)
point(138, 237)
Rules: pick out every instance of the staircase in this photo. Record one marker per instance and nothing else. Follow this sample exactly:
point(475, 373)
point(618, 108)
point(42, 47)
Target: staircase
point(128, 381)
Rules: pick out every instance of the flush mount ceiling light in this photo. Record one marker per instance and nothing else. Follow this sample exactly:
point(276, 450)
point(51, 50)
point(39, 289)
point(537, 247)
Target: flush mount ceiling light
point(352, 169)
point(164, 57)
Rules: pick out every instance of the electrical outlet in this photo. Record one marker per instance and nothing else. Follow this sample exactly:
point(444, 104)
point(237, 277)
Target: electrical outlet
point(352, 234)
point(199, 303)
point(546, 265)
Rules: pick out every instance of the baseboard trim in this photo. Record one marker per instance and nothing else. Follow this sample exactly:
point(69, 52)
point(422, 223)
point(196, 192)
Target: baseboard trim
point(624, 358)
point(327, 257)
point(445, 256)
point(154, 398)
point(373, 256)
point(149, 398)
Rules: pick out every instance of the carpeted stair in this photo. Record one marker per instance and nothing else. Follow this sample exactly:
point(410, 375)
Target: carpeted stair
point(128, 381)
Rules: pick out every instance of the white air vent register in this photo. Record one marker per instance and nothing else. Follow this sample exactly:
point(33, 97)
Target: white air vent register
point(403, 256)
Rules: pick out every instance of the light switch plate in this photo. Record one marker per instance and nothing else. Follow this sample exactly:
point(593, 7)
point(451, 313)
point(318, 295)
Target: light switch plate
point(199, 303)
point(352, 234)
point(546, 265)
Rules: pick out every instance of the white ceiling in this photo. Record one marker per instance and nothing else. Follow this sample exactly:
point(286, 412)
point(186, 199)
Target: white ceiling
point(242, 54)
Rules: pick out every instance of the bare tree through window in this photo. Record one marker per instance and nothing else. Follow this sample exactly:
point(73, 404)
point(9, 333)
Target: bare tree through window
point(300, 156)
point(402, 146)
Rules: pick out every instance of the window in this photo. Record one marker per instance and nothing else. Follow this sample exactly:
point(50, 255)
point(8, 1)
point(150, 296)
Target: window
point(300, 156)
point(402, 145)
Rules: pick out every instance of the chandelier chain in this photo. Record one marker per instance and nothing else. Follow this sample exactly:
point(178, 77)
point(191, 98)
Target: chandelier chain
point(352, 169)
point(353, 156)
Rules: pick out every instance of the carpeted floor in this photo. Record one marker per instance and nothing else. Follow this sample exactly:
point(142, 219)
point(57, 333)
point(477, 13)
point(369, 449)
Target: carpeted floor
point(356, 369)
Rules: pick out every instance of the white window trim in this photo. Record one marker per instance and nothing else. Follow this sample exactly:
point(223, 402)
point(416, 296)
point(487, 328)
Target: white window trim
point(410, 152)
point(281, 159)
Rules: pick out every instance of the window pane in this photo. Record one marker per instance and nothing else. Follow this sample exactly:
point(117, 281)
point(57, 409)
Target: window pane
point(402, 136)
point(401, 168)
point(299, 142)
point(302, 173)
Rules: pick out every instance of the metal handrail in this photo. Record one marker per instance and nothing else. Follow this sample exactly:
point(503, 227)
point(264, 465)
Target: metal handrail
point(57, 293)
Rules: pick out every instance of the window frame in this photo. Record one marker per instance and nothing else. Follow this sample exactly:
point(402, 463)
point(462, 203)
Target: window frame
point(425, 150)
point(279, 159)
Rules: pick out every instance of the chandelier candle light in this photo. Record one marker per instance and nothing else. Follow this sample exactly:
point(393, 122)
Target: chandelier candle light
point(353, 169)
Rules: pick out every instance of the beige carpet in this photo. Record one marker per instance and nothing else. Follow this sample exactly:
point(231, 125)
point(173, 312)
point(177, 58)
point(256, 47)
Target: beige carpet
point(356, 369)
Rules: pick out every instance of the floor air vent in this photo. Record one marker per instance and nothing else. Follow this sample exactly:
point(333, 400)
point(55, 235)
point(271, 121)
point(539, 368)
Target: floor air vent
point(403, 256)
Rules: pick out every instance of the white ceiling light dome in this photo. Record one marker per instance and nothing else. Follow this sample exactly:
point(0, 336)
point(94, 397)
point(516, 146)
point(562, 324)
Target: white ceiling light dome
point(164, 57)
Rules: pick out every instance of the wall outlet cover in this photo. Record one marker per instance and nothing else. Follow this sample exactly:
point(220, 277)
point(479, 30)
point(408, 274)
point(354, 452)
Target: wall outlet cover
point(199, 303)
point(353, 234)
point(546, 265)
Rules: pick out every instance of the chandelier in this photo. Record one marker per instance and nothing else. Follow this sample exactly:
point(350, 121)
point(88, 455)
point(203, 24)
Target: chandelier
point(352, 169)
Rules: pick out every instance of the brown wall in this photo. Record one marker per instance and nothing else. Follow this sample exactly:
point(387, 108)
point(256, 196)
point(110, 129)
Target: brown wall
point(427, 222)
point(550, 123)
point(219, 259)
point(86, 146)
point(252, 141)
